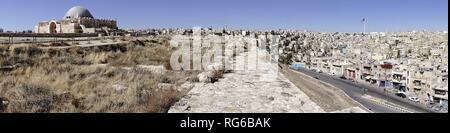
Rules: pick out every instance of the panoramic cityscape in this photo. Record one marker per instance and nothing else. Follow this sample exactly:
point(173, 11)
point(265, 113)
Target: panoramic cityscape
point(68, 60)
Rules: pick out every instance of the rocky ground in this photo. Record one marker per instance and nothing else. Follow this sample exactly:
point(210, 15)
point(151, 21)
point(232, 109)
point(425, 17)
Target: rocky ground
point(247, 92)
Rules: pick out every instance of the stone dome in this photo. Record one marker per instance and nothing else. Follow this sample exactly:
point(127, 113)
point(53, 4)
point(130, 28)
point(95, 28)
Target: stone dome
point(78, 12)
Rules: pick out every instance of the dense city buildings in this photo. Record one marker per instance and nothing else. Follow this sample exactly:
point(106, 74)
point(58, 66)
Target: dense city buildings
point(414, 63)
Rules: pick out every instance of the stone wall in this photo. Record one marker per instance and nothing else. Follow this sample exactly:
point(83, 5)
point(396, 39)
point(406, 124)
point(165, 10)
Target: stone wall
point(73, 26)
point(69, 28)
point(98, 23)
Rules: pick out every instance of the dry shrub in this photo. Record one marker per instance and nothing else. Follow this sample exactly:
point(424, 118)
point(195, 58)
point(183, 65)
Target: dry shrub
point(4, 49)
point(163, 100)
point(167, 65)
point(165, 79)
point(76, 50)
point(59, 44)
point(98, 58)
point(138, 42)
point(68, 80)
point(31, 98)
point(152, 55)
point(193, 79)
point(216, 75)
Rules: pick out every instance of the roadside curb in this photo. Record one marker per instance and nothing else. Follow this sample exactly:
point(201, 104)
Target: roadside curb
point(394, 106)
point(360, 105)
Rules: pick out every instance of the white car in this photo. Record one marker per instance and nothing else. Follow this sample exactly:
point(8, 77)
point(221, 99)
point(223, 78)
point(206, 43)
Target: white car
point(319, 71)
point(414, 99)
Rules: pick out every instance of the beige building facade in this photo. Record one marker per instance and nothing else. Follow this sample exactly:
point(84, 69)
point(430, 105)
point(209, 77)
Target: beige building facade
point(77, 20)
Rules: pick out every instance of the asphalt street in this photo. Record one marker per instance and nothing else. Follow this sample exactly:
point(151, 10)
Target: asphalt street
point(355, 91)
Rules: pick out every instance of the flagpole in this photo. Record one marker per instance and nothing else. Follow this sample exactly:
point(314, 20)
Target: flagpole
point(364, 27)
point(364, 20)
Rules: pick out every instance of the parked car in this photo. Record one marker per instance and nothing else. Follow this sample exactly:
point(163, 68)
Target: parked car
point(414, 99)
point(430, 104)
point(401, 94)
point(437, 108)
point(342, 77)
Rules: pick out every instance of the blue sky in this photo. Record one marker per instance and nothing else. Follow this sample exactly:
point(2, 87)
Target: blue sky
point(315, 15)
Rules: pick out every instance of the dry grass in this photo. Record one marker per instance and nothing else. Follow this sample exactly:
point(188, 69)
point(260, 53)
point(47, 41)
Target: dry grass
point(59, 44)
point(88, 79)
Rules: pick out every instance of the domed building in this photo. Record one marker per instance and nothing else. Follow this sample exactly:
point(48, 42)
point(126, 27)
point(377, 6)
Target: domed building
point(78, 12)
point(77, 20)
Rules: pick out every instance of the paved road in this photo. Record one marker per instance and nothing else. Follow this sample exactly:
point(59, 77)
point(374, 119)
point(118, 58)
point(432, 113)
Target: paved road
point(355, 91)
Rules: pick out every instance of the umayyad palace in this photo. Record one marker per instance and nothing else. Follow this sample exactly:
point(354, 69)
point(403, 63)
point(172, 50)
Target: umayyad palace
point(77, 20)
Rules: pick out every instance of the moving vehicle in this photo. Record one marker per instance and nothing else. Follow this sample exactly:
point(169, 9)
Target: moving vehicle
point(316, 70)
point(319, 71)
point(401, 94)
point(414, 99)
